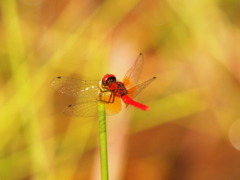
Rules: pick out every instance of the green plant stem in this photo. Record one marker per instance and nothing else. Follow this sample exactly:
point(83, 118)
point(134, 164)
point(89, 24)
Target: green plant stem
point(103, 141)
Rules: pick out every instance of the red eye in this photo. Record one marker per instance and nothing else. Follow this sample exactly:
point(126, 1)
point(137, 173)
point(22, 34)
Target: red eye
point(108, 76)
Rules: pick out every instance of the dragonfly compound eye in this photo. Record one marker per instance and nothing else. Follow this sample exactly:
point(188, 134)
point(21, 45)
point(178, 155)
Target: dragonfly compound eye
point(108, 79)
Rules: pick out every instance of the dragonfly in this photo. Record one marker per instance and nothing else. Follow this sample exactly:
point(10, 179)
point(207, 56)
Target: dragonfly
point(108, 91)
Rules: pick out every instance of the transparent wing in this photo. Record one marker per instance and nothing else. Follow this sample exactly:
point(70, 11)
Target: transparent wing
point(133, 74)
point(90, 108)
point(75, 87)
point(135, 90)
point(82, 109)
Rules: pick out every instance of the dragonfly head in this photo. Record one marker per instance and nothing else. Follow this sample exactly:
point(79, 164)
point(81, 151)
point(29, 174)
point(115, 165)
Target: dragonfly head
point(108, 79)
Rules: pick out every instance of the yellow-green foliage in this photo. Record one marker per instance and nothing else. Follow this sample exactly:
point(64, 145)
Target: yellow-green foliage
point(192, 47)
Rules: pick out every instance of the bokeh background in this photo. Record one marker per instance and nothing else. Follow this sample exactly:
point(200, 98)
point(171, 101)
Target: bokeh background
point(193, 129)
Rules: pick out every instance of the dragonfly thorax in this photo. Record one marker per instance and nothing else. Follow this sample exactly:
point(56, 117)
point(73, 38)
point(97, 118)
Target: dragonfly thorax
point(118, 89)
point(109, 83)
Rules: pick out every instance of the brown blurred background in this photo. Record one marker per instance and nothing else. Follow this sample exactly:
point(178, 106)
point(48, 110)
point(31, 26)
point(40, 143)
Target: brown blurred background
point(193, 129)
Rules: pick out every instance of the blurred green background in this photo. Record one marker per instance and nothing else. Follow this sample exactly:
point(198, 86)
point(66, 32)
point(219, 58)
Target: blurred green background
point(193, 129)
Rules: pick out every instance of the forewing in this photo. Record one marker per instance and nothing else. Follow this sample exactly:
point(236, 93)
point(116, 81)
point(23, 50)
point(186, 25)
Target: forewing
point(75, 87)
point(133, 74)
point(82, 109)
point(134, 91)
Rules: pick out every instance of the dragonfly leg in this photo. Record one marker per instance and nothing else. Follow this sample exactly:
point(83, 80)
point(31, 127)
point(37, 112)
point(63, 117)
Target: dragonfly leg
point(111, 98)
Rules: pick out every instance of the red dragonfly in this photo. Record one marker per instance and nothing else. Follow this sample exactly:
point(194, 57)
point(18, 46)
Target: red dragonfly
point(108, 91)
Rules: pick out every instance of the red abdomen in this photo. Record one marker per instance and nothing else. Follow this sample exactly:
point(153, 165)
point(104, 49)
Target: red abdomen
point(130, 101)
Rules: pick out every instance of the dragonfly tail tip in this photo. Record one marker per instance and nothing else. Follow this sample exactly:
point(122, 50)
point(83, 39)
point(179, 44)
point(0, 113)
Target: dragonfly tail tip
point(147, 109)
